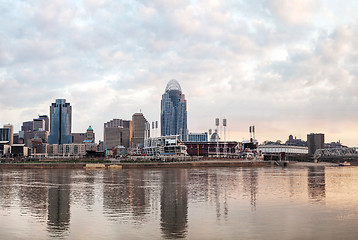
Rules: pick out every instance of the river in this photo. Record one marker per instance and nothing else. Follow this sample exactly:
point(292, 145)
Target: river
point(185, 203)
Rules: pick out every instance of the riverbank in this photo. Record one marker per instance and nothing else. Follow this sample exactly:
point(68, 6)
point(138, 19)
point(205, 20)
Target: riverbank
point(131, 165)
point(182, 164)
point(312, 164)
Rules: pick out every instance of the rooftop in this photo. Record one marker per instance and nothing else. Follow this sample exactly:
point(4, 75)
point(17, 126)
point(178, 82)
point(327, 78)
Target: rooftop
point(173, 85)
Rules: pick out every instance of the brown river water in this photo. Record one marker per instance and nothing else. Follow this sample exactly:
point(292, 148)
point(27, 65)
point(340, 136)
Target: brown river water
point(185, 203)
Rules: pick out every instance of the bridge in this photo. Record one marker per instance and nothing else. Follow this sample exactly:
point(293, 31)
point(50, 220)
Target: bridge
point(336, 153)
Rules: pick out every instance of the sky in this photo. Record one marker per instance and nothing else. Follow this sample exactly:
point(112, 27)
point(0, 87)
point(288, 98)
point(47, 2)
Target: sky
point(287, 67)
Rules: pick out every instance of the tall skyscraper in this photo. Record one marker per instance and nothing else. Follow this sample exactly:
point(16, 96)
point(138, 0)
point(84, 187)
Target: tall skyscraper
point(61, 122)
point(139, 129)
point(173, 111)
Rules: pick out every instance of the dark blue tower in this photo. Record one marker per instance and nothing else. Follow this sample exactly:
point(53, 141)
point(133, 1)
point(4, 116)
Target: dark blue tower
point(60, 117)
point(174, 111)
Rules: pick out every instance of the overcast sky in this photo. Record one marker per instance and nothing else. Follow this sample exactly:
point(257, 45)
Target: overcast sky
point(287, 67)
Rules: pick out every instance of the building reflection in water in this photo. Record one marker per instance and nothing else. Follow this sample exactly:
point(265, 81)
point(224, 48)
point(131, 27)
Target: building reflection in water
point(125, 192)
point(316, 183)
point(59, 202)
point(174, 203)
point(33, 193)
point(89, 192)
point(83, 190)
point(250, 185)
point(6, 190)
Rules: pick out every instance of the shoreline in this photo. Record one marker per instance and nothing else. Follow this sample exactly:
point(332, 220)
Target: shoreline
point(145, 165)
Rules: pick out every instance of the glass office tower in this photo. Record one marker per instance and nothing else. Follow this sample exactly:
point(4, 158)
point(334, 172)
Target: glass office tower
point(173, 111)
point(61, 122)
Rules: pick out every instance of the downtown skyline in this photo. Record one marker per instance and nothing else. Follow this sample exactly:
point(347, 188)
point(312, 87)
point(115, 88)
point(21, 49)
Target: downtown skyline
point(287, 68)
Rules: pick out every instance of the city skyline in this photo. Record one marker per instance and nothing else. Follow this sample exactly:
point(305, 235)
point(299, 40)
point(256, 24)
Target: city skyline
point(285, 68)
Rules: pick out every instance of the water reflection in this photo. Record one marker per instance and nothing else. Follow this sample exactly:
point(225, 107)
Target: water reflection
point(251, 185)
point(33, 193)
point(125, 196)
point(316, 183)
point(177, 203)
point(174, 203)
point(59, 202)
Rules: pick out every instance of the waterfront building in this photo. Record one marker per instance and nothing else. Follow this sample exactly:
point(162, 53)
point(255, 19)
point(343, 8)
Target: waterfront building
point(10, 133)
point(164, 145)
point(174, 111)
point(5, 135)
point(19, 150)
point(278, 149)
point(198, 137)
point(4, 148)
point(315, 141)
point(227, 148)
point(140, 129)
point(66, 150)
point(61, 122)
point(117, 132)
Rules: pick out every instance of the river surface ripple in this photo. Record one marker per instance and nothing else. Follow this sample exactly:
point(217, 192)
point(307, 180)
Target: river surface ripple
point(185, 203)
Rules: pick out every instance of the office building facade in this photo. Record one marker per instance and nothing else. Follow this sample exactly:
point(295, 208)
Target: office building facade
point(61, 122)
point(140, 129)
point(198, 137)
point(10, 133)
point(174, 111)
point(5, 135)
point(315, 141)
point(117, 132)
point(38, 124)
point(47, 122)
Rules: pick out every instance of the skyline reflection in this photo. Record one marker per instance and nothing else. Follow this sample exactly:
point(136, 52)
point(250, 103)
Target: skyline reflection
point(174, 203)
point(316, 183)
point(163, 200)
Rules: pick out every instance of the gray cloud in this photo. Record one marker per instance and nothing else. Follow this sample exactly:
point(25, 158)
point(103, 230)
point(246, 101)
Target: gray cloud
point(288, 68)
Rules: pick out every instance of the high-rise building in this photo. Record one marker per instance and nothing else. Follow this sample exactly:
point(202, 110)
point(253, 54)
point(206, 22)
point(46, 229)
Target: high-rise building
point(38, 124)
point(4, 135)
point(47, 122)
point(140, 131)
point(117, 132)
point(174, 111)
point(27, 126)
point(61, 122)
point(10, 133)
point(315, 141)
